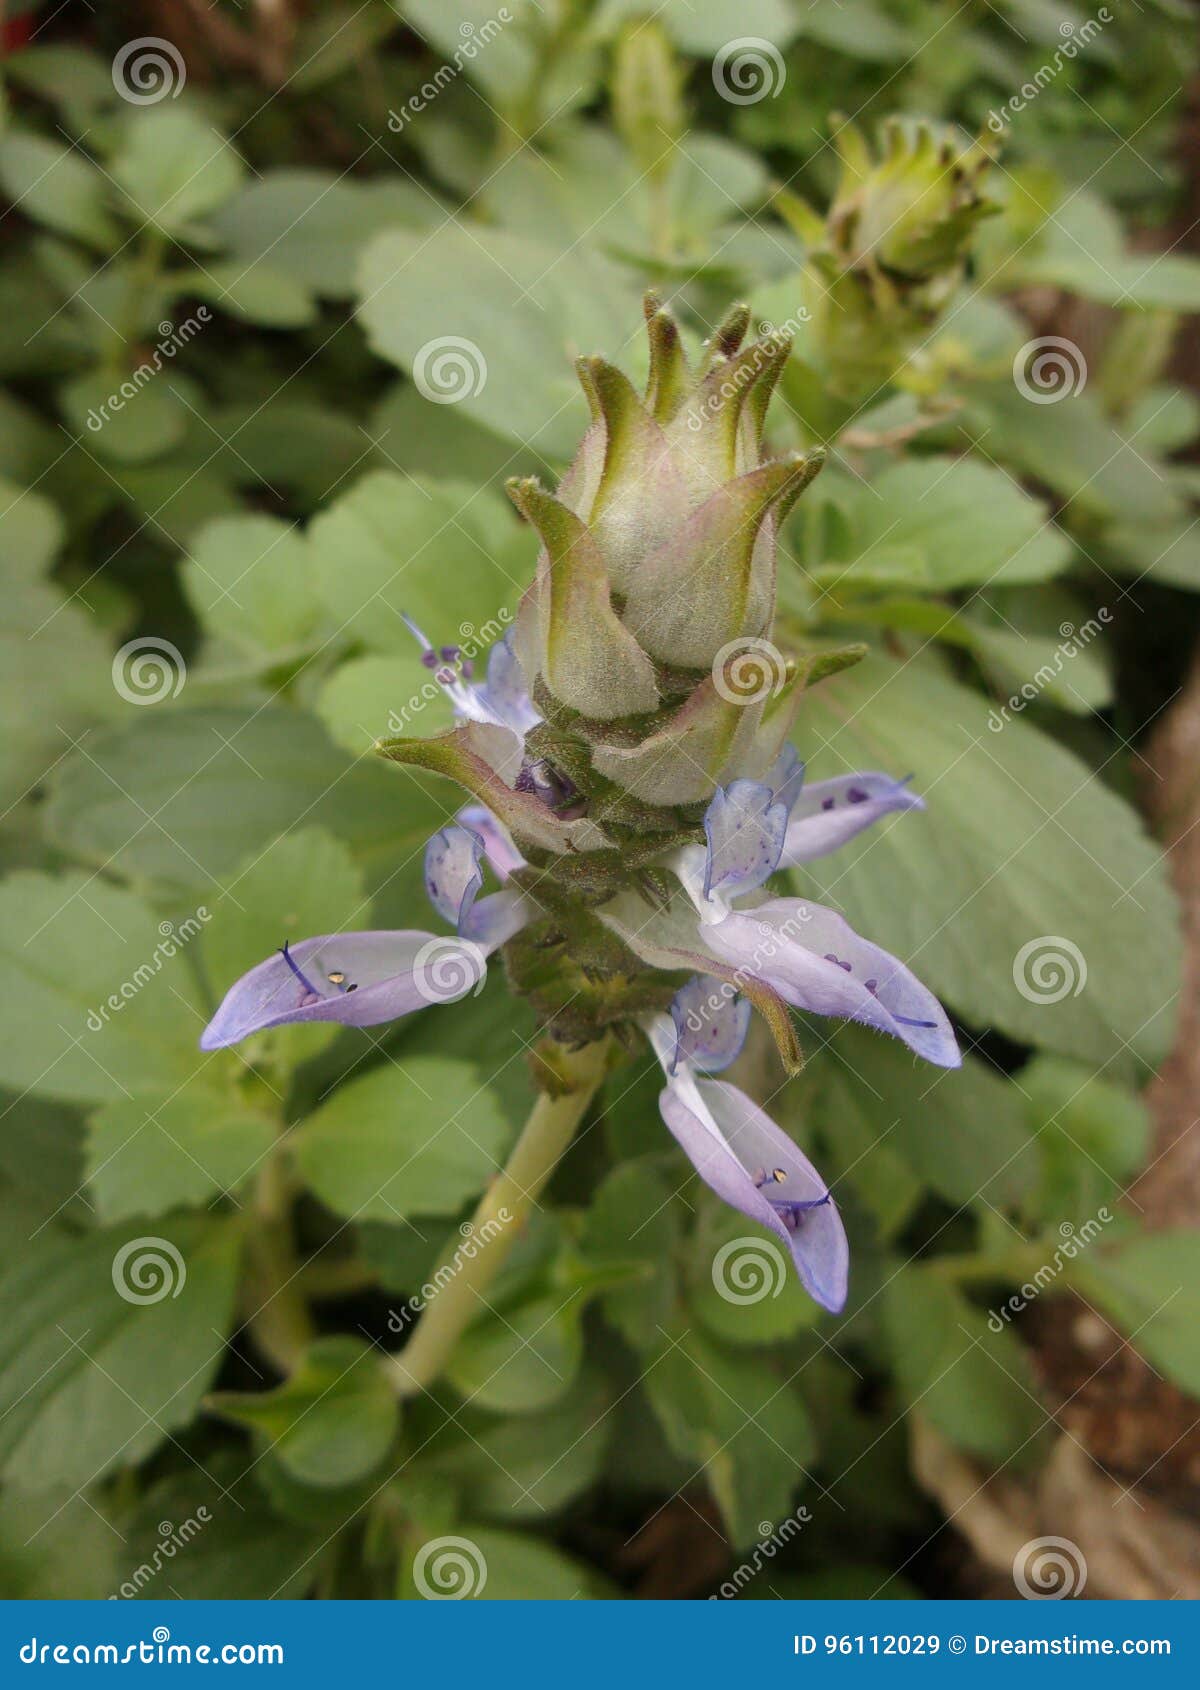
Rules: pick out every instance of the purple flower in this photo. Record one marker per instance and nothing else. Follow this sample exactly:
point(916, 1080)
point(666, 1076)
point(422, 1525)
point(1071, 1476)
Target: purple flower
point(362, 979)
point(735, 1147)
point(805, 953)
point(774, 951)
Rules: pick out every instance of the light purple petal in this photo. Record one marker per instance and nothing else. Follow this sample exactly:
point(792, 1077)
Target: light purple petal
point(358, 979)
point(745, 829)
point(494, 919)
point(814, 959)
point(786, 778)
point(506, 693)
point(453, 876)
point(738, 1151)
point(830, 812)
point(498, 844)
point(710, 1024)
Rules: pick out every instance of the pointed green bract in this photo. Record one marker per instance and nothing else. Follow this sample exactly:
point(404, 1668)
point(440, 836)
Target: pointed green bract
point(589, 659)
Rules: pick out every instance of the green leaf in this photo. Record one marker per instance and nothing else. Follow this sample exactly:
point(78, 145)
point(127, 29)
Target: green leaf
point(370, 698)
point(632, 1220)
point(250, 580)
point(174, 167)
point(311, 225)
point(1021, 844)
point(1149, 1287)
point(1092, 1138)
point(125, 419)
point(522, 1357)
point(389, 546)
point(704, 30)
point(149, 1154)
point(522, 1467)
point(56, 1546)
point(962, 1132)
point(57, 186)
point(1080, 249)
point(265, 295)
point(31, 532)
point(288, 445)
point(41, 1160)
point(203, 1535)
point(107, 1005)
point(741, 1424)
point(423, 439)
point(413, 1140)
point(1170, 552)
point(1072, 448)
point(506, 313)
point(331, 1422)
point(952, 522)
point(952, 1367)
point(222, 784)
point(91, 1381)
point(55, 677)
point(486, 1564)
point(741, 1284)
point(79, 82)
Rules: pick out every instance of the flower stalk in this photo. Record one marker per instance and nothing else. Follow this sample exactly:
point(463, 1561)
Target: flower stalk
point(501, 1214)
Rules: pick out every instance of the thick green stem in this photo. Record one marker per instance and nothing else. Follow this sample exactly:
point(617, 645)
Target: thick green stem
point(277, 1311)
point(498, 1220)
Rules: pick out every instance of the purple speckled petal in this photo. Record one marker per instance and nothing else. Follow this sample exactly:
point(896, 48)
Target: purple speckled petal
point(358, 979)
point(453, 875)
point(830, 812)
point(814, 959)
point(745, 829)
point(498, 845)
point(740, 1153)
point(710, 1024)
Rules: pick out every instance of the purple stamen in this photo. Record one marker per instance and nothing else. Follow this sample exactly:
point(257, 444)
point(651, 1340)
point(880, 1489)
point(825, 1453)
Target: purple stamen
point(856, 795)
point(828, 803)
point(829, 957)
point(907, 1021)
point(792, 1211)
point(451, 653)
point(872, 986)
point(299, 973)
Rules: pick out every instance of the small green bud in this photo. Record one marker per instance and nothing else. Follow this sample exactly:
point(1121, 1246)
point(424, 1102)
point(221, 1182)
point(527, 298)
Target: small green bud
point(647, 95)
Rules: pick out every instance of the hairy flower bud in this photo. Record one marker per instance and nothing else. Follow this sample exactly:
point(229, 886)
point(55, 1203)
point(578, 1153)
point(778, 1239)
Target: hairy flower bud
point(892, 250)
point(657, 571)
